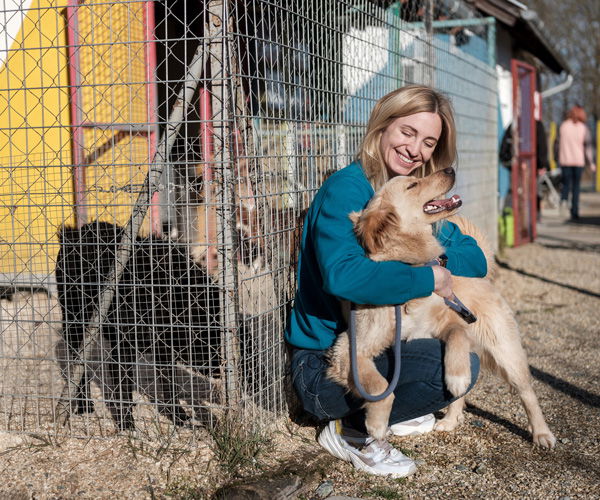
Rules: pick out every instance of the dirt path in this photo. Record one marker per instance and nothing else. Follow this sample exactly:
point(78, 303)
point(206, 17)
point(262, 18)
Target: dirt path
point(553, 286)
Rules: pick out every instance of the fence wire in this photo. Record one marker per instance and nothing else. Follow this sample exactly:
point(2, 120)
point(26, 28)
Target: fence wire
point(195, 324)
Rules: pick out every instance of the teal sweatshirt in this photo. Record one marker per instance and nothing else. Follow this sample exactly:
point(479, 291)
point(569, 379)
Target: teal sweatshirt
point(333, 265)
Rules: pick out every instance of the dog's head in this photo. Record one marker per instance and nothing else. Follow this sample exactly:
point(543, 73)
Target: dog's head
point(396, 224)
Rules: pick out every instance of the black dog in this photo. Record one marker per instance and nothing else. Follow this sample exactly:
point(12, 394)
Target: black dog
point(164, 304)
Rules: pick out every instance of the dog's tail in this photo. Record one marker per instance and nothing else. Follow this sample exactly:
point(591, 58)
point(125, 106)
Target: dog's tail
point(467, 227)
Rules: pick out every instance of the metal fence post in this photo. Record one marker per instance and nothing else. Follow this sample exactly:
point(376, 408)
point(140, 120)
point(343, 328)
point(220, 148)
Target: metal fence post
point(219, 48)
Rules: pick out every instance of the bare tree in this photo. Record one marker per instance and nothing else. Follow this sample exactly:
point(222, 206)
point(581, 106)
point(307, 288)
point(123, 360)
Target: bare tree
point(574, 26)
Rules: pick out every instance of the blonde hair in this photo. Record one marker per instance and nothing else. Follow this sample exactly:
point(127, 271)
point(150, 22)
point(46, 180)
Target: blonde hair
point(407, 101)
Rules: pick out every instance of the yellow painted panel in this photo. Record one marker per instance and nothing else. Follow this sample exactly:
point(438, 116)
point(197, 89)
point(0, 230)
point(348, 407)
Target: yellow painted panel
point(35, 180)
point(112, 58)
point(113, 91)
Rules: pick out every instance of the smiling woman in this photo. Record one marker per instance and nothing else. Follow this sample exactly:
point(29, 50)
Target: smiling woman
point(410, 132)
point(409, 141)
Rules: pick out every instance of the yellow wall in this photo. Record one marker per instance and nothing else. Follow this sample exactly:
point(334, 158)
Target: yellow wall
point(35, 190)
point(36, 165)
point(113, 90)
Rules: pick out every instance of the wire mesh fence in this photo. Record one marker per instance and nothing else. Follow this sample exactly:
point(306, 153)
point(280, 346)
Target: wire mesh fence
point(156, 160)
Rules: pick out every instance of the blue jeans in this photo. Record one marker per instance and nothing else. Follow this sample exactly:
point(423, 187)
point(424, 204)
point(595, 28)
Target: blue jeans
point(420, 389)
point(571, 178)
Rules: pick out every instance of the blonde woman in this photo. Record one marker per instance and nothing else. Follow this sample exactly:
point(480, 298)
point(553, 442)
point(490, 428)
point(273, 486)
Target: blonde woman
point(411, 131)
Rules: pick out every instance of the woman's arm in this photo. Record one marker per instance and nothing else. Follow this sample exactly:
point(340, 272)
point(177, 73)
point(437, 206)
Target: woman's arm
point(346, 270)
point(465, 258)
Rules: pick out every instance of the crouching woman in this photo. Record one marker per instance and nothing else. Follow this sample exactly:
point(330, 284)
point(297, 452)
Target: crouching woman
point(411, 132)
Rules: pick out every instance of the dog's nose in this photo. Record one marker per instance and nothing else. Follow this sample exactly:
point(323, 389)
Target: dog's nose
point(449, 171)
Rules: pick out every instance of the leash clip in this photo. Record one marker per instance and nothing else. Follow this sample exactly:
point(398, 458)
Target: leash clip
point(459, 308)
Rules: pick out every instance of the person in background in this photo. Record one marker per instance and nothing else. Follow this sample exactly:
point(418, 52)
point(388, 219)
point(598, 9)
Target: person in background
point(410, 132)
point(574, 144)
point(541, 159)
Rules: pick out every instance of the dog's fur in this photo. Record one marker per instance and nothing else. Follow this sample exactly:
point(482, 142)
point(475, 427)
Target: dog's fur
point(394, 226)
point(165, 305)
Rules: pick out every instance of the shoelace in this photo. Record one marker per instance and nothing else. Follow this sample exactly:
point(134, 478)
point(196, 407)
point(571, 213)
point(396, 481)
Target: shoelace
point(383, 451)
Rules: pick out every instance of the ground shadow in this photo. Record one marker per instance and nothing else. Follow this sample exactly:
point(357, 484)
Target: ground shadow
point(586, 221)
point(586, 397)
point(491, 417)
point(567, 244)
point(504, 265)
point(577, 247)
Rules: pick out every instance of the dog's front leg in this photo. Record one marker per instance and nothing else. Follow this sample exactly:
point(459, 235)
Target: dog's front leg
point(378, 412)
point(453, 418)
point(457, 364)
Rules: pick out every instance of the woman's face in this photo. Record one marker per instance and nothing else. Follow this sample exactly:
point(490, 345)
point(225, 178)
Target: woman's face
point(409, 141)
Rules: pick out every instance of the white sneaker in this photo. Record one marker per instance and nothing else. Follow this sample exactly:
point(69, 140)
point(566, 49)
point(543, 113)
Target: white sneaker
point(414, 427)
point(375, 457)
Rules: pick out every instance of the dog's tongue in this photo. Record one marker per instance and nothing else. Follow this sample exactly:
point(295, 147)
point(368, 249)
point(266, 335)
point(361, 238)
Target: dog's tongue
point(436, 206)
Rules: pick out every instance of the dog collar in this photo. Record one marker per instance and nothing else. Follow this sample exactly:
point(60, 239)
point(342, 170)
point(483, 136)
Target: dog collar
point(442, 260)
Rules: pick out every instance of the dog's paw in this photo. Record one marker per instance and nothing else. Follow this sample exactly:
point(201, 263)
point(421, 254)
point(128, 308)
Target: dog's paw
point(448, 424)
point(377, 431)
point(545, 439)
point(458, 384)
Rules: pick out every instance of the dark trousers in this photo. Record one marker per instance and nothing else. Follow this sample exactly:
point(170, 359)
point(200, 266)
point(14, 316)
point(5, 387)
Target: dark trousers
point(571, 178)
point(420, 389)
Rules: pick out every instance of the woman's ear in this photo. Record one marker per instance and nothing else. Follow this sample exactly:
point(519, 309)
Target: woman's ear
point(371, 226)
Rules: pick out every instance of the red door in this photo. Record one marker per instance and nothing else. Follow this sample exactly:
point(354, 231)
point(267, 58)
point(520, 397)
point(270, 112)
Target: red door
point(523, 179)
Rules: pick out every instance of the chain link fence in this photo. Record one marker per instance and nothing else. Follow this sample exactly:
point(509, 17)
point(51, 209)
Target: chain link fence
point(156, 159)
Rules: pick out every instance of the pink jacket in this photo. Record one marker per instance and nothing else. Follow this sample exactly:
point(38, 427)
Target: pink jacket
point(573, 137)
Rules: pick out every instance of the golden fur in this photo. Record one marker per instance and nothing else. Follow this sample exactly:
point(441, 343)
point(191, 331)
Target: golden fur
point(395, 227)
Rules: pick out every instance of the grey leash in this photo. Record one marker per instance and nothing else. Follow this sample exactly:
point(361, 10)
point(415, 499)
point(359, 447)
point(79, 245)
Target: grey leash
point(397, 360)
point(453, 303)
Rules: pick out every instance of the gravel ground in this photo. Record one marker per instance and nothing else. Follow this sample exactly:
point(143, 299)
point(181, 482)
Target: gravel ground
point(553, 286)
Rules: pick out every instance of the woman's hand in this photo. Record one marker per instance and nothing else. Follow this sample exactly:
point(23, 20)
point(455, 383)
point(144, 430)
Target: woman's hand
point(442, 281)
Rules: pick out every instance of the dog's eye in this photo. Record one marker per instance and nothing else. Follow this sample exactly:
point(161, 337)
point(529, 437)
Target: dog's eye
point(412, 185)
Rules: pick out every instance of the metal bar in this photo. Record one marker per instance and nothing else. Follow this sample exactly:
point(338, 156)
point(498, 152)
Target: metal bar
point(125, 127)
point(219, 49)
point(155, 170)
point(491, 42)
point(453, 23)
point(77, 138)
point(152, 105)
point(206, 141)
point(103, 148)
point(429, 49)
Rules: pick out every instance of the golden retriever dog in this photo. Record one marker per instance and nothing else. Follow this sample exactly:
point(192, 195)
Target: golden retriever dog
point(397, 225)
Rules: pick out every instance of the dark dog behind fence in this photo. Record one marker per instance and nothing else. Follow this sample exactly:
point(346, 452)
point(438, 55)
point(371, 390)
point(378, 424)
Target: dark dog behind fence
point(165, 308)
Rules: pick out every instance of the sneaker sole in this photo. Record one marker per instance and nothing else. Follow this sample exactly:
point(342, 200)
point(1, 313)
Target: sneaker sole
point(328, 442)
point(414, 430)
point(360, 465)
point(403, 433)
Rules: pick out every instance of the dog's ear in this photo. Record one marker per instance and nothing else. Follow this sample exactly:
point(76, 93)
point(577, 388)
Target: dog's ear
point(371, 226)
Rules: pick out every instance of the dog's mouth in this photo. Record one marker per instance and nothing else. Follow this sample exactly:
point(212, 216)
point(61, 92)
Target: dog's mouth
point(445, 205)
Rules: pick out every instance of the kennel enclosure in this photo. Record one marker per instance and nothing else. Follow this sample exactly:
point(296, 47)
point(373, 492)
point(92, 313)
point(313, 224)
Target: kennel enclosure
point(280, 99)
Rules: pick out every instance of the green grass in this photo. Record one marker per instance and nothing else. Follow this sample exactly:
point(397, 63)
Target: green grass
point(384, 492)
point(236, 445)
